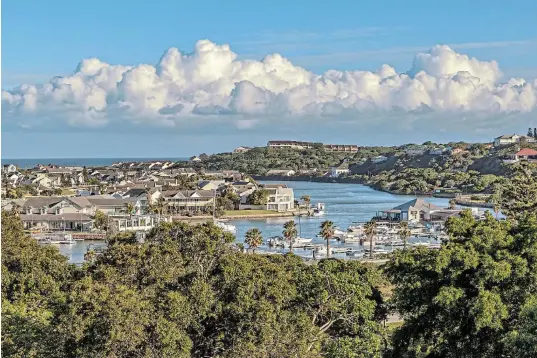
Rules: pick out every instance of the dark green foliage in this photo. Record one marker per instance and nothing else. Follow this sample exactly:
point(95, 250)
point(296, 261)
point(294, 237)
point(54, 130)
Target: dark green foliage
point(258, 197)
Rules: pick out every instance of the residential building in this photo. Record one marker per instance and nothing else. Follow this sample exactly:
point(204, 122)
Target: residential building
point(291, 144)
point(415, 150)
point(188, 200)
point(456, 151)
point(379, 159)
point(281, 197)
point(243, 185)
point(340, 148)
point(506, 139)
point(437, 151)
point(138, 222)
point(526, 154)
point(9, 168)
point(281, 172)
point(114, 206)
point(241, 149)
point(339, 170)
point(414, 210)
point(195, 159)
point(210, 184)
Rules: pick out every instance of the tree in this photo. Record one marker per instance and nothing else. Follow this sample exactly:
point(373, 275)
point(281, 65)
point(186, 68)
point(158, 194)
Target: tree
point(519, 194)
point(452, 204)
point(290, 233)
point(535, 133)
point(530, 133)
point(465, 299)
point(370, 229)
point(85, 174)
point(253, 238)
point(327, 232)
point(34, 279)
point(306, 199)
point(258, 197)
point(101, 220)
point(404, 232)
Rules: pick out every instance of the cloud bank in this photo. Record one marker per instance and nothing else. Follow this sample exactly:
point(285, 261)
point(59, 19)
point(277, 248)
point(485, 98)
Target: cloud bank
point(211, 82)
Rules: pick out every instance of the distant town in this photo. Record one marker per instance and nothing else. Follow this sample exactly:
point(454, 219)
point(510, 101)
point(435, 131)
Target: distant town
point(139, 195)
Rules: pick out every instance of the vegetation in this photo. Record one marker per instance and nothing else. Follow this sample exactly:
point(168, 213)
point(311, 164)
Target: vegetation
point(290, 233)
point(258, 197)
point(327, 232)
point(187, 291)
point(253, 238)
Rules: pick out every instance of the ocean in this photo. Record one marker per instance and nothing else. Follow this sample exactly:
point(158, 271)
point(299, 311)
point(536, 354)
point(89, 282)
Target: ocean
point(25, 163)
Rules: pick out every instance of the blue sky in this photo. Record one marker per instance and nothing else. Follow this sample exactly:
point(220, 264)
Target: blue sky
point(41, 40)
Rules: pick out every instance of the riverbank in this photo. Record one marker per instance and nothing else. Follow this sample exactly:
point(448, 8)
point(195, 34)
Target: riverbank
point(339, 180)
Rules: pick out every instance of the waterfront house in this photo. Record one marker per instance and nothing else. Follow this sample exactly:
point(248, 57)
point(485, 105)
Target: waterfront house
point(414, 210)
point(506, 139)
point(138, 222)
point(114, 206)
point(57, 213)
point(341, 169)
point(281, 198)
point(379, 159)
point(243, 185)
point(281, 172)
point(188, 200)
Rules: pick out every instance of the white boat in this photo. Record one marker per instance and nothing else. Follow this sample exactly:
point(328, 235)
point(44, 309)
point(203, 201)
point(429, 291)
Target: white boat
point(302, 240)
point(225, 226)
point(319, 210)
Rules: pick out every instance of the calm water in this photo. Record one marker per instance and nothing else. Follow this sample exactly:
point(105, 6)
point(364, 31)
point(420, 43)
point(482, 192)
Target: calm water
point(80, 162)
point(345, 204)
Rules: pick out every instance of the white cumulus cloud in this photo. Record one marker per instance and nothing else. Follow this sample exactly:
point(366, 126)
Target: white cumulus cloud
point(211, 82)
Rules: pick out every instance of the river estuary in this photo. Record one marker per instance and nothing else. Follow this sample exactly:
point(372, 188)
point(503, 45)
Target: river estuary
point(345, 204)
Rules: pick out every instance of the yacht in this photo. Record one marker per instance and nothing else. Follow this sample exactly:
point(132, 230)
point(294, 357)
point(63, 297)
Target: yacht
point(319, 210)
point(302, 240)
point(226, 226)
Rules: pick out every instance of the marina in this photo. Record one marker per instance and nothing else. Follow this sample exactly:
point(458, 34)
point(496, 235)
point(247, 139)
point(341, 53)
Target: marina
point(349, 206)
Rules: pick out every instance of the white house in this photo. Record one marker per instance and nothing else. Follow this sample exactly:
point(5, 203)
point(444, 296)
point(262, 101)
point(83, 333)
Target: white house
point(415, 150)
point(241, 149)
point(281, 198)
point(379, 159)
point(506, 139)
point(437, 151)
point(195, 159)
point(9, 168)
point(337, 171)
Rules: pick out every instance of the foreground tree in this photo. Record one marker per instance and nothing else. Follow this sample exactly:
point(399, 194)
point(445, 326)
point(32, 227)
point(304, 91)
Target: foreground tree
point(327, 232)
point(464, 299)
point(253, 238)
point(519, 194)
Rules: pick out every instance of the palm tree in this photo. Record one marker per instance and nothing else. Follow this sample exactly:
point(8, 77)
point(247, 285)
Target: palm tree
point(307, 200)
point(404, 232)
point(370, 231)
point(496, 208)
point(290, 233)
point(16, 208)
point(452, 204)
point(327, 232)
point(254, 239)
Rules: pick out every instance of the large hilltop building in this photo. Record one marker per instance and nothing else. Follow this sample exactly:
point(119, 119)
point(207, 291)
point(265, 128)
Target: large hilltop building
point(293, 144)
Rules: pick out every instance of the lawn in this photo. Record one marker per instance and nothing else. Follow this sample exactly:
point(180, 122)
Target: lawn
point(249, 212)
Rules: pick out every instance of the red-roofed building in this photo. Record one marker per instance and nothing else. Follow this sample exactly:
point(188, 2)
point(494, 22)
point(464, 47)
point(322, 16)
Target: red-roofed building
point(526, 154)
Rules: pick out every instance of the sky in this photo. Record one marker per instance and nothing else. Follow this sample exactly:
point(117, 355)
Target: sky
point(170, 78)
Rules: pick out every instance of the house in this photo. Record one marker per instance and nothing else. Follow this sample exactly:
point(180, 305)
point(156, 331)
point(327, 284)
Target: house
point(241, 149)
point(437, 151)
point(281, 198)
point(189, 200)
point(143, 222)
point(210, 184)
point(456, 151)
point(526, 154)
point(379, 159)
point(9, 168)
point(506, 139)
point(339, 170)
point(243, 185)
point(195, 159)
point(290, 144)
point(114, 206)
point(415, 150)
point(281, 172)
point(57, 213)
point(414, 210)
point(340, 148)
